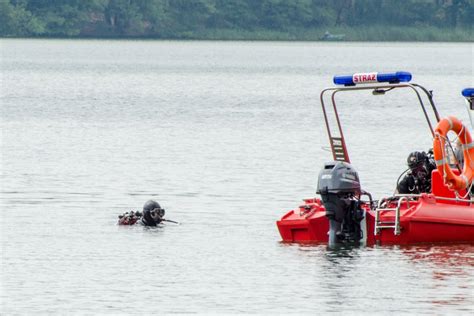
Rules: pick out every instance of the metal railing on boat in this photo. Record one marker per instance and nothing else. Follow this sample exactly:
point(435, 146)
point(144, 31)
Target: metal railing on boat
point(401, 198)
point(396, 224)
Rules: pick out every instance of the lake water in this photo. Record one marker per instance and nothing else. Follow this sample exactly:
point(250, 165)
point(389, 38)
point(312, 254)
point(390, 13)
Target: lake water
point(227, 136)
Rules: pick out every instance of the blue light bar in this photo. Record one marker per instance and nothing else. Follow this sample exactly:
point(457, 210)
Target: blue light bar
point(468, 93)
point(373, 77)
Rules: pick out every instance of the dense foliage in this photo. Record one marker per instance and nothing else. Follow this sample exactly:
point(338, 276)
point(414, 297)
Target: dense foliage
point(233, 19)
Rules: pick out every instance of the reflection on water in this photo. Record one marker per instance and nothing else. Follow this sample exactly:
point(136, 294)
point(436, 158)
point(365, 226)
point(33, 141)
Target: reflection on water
point(450, 265)
point(416, 278)
point(227, 137)
point(441, 255)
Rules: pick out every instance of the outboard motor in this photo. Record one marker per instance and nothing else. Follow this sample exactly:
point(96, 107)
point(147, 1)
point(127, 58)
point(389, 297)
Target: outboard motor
point(339, 187)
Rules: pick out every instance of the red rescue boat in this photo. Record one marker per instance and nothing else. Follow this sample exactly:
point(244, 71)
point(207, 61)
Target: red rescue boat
point(440, 210)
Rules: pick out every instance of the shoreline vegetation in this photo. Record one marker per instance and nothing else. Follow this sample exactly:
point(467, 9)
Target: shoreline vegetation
point(354, 35)
point(262, 20)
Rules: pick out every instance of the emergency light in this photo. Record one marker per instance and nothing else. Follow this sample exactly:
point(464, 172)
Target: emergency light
point(468, 93)
point(373, 77)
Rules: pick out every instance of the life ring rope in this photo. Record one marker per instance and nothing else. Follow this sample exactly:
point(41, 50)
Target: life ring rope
point(451, 180)
point(465, 148)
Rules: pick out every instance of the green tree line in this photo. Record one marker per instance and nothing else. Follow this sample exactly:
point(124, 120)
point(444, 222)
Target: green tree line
point(231, 19)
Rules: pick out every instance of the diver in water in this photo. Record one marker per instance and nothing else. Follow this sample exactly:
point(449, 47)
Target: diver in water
point(151, 215)
point(417, 178)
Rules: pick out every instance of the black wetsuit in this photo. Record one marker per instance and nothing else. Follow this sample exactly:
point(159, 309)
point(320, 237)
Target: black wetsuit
point(407, 185)
point(418, 179)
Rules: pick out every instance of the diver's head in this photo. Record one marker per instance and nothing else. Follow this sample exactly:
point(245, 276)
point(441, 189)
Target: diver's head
point(152, 212)
point(150, 205)
point(416, 160)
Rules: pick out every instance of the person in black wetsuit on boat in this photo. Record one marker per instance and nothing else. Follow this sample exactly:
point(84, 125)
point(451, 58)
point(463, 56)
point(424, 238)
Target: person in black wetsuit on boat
point(417, 178)
point(151, 215)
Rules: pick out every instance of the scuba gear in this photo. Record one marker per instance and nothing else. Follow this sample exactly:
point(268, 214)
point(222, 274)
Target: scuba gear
point(152, 213)
point(150, 205)
point(418, 176)
point(148, 219)
point(151, 216)
point(129, 218)
point(158, 212)
point(415, 159)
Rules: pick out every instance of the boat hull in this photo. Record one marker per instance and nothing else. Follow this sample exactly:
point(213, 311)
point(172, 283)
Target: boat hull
point(423, 221)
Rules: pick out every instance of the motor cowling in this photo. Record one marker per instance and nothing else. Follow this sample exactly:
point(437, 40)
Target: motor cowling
point(340, 190)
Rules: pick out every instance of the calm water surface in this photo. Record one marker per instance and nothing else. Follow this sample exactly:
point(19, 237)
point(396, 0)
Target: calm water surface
point(227, 136)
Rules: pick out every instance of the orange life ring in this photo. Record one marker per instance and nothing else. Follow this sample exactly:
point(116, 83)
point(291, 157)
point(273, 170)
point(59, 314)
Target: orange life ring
point(453, 181)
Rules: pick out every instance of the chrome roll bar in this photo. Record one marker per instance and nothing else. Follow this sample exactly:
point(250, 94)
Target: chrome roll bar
point(338, 144)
